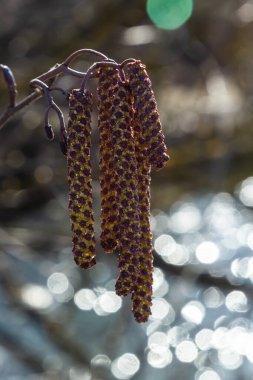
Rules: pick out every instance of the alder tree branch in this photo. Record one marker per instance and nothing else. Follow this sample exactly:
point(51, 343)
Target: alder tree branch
point(42, 85)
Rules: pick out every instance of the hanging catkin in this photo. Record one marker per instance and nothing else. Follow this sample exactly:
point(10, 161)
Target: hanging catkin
point(79, 177)
point(131, 143)
point(147, 115)
point(108, 79)
point(141, 297)
point(127, 192)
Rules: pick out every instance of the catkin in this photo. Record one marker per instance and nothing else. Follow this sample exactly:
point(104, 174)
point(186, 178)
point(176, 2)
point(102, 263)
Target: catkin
point(147, 115)
point(131, 143)
point(141, 297)
point(127, 192)
point(108, 79)
point(79, 177)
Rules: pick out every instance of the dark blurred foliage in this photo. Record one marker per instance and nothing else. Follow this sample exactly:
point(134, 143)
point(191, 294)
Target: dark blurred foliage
point(58, 322)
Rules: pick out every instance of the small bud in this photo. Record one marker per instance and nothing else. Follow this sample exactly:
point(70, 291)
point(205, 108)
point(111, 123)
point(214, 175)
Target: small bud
point(49, 132)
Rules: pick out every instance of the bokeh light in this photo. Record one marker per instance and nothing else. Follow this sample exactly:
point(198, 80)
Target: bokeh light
point(84, 299)
point(245, 12)
point(186, 351)
point(160, 285)
point(79, 374)
point(207, 374)
point(207, 252)
point(203, 339)
point(109, 302)
point(220, 338)
point(177, 334)
point(160, 308)
point(246, 192)
point(169, 14)
point(37, 297)
point(139, 35)
point(185, 218)
point(159, 357)
point(230, 359)
point(158, 339)
point(194, 312)
point(236, 301)
point(125, 366)
point(213, 297)
point(57, 283)
point(101, 360)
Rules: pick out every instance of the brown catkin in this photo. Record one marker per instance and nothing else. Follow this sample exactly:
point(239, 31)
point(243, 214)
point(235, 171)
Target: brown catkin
point(127, 192)
point(147, 115)
point(79, 177)
point(108, 79)
point(141, 297)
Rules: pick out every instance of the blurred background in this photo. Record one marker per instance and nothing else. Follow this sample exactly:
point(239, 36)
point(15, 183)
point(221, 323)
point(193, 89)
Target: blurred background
point(60, 322)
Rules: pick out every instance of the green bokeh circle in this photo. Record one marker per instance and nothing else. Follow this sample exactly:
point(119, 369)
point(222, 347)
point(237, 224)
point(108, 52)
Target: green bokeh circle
point(169, 14)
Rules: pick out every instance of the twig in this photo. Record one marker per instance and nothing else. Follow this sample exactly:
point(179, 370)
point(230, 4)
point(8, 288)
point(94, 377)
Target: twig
point(10, 112)
point(52, 105)
point(11, 84)
point(77, 53)
point(49, 77)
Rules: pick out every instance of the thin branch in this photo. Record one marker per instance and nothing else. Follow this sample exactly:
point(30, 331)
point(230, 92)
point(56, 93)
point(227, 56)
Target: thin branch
point(49, 77)
point(11, 84)
point(126, 61)
point(52, 105)
point(10, 112)
point(77, 53)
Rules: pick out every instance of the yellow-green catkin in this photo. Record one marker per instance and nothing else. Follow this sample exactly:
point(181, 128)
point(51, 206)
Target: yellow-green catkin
point(79, 177)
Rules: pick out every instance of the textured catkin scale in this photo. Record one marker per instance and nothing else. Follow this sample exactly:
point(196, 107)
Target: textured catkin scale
point(127, 192)
point(108, 79)
point(147, 115)
point(141, 297)
point(79, 177)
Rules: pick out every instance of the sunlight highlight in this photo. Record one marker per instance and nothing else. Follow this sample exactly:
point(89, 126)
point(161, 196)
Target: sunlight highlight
point(84, 299)
point(125, 366)
point(36, 296)
point(57, 283)
point(186, 351)
point(193, 312)
point(207, 252)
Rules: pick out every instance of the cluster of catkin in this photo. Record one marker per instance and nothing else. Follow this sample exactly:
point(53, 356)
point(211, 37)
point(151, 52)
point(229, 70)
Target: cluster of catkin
point(131, 143)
